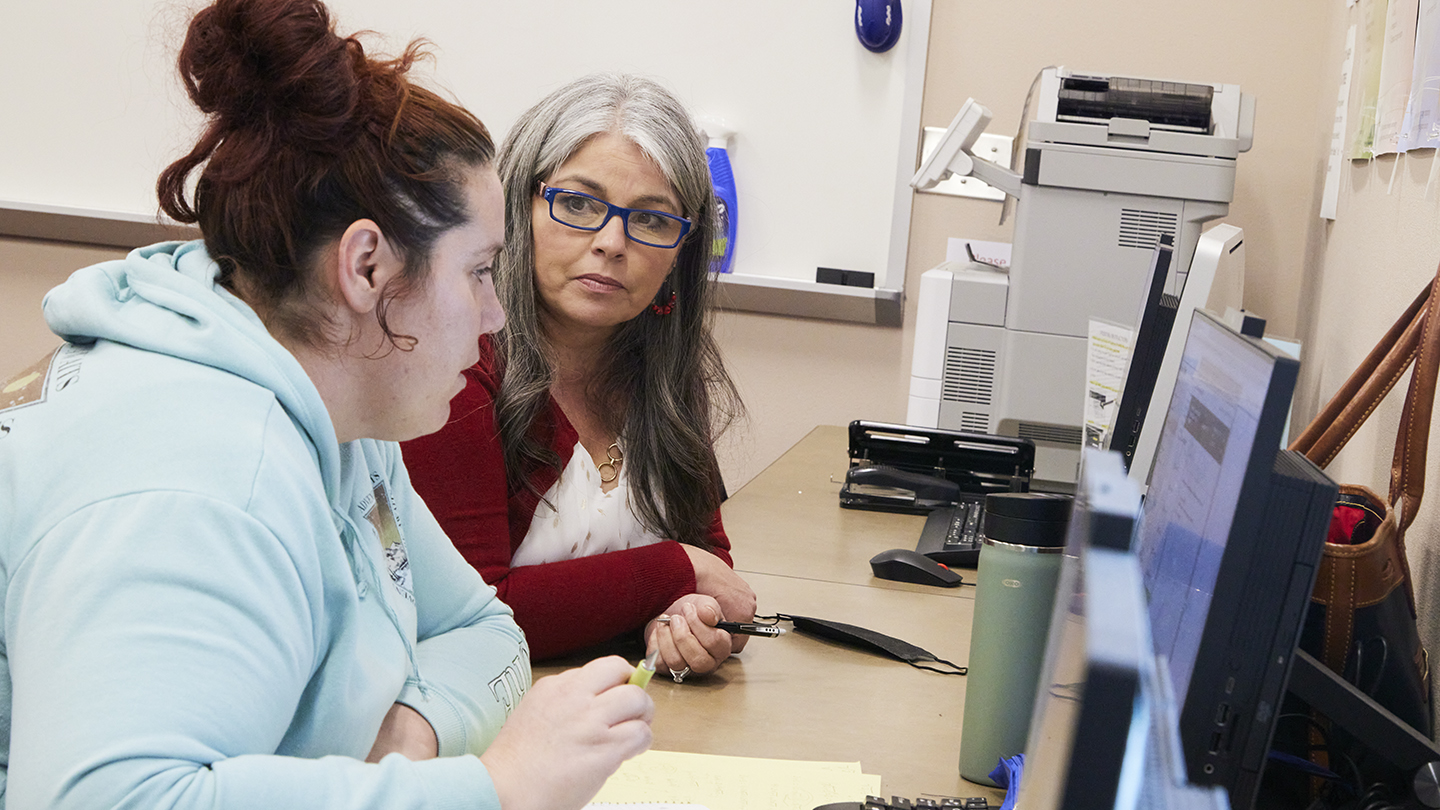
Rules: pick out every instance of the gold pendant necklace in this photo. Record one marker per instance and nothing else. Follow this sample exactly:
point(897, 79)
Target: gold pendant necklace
point(612, 465)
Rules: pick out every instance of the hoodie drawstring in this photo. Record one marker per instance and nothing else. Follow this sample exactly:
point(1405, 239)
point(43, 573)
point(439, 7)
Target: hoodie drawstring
point(367, 578)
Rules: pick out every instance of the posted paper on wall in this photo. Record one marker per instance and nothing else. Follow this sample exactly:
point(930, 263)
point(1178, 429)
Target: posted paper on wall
point(1397, 66)
point(1422, 126)
point(1370, 47)
point(1331, 195)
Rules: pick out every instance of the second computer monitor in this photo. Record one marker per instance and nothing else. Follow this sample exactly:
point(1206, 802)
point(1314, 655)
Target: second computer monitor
point(1230, 536)
point(1104, 735)
point(1153, 328)
point(1079, 745)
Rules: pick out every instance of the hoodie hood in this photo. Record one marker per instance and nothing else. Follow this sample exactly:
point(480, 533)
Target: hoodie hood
point(164, 298)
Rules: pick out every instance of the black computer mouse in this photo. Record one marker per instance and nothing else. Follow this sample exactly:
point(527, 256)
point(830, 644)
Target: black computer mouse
point(909, 565)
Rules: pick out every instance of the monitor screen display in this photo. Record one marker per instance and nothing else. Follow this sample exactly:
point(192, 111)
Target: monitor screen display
point(1201, 466)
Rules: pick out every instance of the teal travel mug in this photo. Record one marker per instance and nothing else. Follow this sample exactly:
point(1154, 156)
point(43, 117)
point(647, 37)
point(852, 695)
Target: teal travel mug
point(1017, 575)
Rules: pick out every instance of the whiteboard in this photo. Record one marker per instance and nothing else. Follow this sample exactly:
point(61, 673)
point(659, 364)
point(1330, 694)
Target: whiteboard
point(826, 131)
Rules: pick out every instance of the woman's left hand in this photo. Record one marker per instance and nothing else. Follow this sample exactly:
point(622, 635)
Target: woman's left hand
point(689, 639)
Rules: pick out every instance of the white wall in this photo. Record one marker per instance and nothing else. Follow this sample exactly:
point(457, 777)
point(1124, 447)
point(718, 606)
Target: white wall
point(809, 105)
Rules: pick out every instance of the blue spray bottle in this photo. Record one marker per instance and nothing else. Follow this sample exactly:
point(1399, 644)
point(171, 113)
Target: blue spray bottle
point(717, 152)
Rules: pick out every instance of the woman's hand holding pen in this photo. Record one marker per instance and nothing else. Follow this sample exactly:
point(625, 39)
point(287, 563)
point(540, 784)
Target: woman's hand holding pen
point(719, 581)
point(568, 735)
point(687, 637)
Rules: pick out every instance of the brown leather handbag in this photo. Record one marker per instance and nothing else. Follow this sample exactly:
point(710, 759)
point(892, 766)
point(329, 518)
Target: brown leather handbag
point(1362, 619)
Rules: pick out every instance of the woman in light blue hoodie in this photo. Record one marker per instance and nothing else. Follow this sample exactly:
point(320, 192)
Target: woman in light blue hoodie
point(217, 587)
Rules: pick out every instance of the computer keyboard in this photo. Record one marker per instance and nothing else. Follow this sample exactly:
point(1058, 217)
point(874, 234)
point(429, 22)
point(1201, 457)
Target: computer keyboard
point(902, 803)
point(952, 535)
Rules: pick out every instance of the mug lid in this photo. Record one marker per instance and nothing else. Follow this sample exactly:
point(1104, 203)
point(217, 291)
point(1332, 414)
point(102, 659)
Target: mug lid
point(1042, 506)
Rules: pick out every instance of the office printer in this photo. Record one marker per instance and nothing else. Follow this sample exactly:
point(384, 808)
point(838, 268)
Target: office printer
point(1109, 165)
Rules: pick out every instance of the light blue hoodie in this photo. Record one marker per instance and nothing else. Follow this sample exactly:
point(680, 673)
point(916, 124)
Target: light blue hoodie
point(205, 600)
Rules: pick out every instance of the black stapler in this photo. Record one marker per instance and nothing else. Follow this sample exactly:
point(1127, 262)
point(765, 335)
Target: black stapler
point(879, 486)
point(903, 468)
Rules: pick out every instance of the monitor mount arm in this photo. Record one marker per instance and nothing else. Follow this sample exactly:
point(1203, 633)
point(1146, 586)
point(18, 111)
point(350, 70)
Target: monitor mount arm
point(952, 157)
point(1372, 724)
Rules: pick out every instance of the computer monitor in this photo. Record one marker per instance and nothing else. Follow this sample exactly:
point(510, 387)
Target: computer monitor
point(1216, 274)
point(1152, 332)
point(1103, 734)
point(1230, 537)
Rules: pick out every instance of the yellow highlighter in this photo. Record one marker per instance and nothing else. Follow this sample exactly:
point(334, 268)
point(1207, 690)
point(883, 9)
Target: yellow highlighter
point(646, 668)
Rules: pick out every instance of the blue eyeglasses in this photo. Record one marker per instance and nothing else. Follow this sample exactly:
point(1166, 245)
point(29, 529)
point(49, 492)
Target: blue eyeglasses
point(586, 213)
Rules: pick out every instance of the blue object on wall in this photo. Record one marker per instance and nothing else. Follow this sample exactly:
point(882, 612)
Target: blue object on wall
point(877, 23)
point(722, 258)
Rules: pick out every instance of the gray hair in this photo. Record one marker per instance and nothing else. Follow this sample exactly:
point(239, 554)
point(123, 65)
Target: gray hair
point(664, 387)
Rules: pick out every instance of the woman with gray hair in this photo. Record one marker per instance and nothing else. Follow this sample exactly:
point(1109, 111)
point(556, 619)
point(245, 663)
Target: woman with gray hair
point(596, 409)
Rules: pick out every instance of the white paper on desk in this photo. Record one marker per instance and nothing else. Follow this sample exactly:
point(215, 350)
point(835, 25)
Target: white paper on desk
point(1106, 361)
point(1422, 125)
point(1331, 195)
point(995, 254)
point(644, 806)
point(736, 783)
point(1397, 65)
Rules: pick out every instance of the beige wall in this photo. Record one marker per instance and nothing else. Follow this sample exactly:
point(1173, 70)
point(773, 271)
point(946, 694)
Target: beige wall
point(1361, 272)
point(796, 373)
point(29, 267)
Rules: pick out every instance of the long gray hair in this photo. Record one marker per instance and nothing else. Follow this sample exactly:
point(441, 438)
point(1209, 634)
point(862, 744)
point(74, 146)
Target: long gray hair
point(663, 386)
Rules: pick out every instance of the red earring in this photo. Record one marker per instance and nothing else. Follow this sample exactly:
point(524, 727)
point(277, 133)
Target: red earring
point(668, 305)
point(665, 308)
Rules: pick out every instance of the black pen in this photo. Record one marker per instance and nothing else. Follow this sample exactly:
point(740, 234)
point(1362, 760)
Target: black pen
point(741, 628)
point(745, 629)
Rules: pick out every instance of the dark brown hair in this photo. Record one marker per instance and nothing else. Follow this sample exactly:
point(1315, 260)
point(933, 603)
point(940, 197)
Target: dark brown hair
point(306, 135)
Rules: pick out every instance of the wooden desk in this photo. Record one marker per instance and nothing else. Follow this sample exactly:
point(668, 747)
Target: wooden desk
point(798, 697)
point(788, 520)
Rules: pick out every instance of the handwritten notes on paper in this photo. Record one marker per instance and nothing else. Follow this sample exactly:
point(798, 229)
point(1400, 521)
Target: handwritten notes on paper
point(735, 783)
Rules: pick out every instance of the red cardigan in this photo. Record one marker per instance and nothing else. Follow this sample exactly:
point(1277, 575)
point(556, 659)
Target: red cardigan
point(561, 606)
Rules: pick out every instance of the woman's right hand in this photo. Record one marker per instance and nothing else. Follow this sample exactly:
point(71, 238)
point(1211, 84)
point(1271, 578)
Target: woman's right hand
point(568, 735)
point(717, 580)
point(688, 640)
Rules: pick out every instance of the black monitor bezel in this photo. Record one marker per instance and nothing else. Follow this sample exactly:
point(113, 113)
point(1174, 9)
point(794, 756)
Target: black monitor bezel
point(1216, 666)
point(1152, 336)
